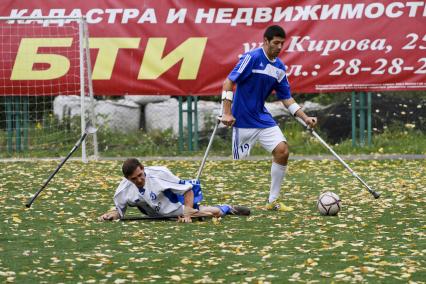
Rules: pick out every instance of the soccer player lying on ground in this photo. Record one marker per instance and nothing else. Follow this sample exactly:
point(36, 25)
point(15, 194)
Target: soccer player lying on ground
point(157, 192)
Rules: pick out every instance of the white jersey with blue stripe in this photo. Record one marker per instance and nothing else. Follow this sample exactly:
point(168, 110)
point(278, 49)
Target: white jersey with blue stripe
point(156, 198)
point(256, 77)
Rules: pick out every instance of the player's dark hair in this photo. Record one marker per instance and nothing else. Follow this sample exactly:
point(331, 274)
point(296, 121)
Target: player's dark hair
point(272, 31)
point(129, 166)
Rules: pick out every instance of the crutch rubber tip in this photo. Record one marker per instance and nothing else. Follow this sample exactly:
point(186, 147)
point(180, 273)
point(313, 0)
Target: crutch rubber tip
point(28, 205)
point(376, 194)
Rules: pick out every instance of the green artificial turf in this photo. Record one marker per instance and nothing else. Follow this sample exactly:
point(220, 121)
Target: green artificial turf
point(58, 239)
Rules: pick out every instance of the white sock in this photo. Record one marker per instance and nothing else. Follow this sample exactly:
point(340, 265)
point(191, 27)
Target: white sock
point(277, 176)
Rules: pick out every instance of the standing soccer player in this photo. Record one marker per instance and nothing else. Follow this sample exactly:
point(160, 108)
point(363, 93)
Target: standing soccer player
point(257, 74)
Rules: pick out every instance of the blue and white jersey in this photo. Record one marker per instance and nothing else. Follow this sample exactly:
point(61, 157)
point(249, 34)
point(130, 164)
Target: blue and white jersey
point(157, 198)
point(256, 77)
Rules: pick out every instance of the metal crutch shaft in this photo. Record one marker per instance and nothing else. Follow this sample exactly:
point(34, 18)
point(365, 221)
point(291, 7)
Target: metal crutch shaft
point(207, 150)
point(370, 190)
point(88, 130)
point(200, 169)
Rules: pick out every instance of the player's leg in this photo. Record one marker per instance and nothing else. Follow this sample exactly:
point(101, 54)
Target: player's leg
point(210, 210)
point(243, 140)
point(278, 169)
point(273, 140)
point(222, 210)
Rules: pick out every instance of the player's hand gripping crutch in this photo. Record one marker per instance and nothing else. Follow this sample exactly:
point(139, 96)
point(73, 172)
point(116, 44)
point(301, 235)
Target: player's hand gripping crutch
point(218, 120)
point(370, 190)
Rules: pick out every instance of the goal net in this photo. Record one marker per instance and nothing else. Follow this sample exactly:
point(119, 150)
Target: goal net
point(42, 59)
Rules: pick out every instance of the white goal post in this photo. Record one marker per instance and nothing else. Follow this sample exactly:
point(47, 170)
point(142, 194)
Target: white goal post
point(44, 59)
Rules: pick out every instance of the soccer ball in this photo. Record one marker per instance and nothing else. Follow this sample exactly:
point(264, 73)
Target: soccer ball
point(328, 203)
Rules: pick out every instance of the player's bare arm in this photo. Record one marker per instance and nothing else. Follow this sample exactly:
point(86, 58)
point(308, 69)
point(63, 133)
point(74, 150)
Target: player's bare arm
point(188, 209)
point(295, 110)
point(227, 118)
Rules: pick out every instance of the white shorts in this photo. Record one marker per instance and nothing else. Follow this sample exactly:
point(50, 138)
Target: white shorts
point(243, 140)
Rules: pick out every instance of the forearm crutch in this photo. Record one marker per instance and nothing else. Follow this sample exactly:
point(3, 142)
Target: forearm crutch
point(200, 169)
point(370, 190)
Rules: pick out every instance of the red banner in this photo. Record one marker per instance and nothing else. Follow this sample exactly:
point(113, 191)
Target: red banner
point(182, 47)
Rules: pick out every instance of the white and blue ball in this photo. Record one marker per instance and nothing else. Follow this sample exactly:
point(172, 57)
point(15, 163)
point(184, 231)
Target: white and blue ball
point(328, 203)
